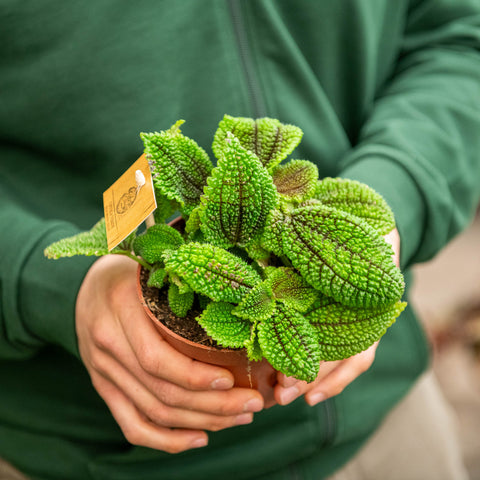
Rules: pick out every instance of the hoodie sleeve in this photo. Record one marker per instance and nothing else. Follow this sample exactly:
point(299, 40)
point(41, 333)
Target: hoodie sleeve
point(420, 146)
point(46, 314)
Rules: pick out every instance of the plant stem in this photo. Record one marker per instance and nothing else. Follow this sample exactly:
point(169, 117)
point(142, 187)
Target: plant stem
point(141, 261)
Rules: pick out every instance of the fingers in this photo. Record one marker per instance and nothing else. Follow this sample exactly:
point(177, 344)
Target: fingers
point(341, 376)
point(157, 358)
point(139, 430)
point(332, 379)
point(133, 378)
point(393, 238)
point(289, 389)
point(164, 412)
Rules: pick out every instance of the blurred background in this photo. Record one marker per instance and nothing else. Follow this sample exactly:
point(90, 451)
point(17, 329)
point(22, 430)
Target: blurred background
point(446, 295)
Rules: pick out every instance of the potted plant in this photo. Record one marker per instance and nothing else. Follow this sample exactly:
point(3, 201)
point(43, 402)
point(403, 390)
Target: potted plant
point(271, 261)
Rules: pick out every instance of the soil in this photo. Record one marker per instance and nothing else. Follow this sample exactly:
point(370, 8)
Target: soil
point(187, 327)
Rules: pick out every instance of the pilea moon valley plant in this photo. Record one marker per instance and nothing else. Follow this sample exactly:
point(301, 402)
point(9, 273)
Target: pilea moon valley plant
point(289, 267)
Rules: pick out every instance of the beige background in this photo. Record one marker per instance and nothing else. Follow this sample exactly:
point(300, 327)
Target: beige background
point(446, 295)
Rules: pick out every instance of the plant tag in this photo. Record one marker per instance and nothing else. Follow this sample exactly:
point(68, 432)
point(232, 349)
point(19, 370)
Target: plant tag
point(128, 202)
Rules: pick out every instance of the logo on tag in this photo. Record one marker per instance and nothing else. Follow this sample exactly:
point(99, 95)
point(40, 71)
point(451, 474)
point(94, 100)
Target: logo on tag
point(128, 202)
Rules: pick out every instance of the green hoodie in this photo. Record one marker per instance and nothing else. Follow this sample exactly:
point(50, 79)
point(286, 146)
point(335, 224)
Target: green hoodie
point(387, 92)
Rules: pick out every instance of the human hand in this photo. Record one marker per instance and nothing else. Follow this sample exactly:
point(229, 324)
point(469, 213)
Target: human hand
point(159, 397)
point(332, 377)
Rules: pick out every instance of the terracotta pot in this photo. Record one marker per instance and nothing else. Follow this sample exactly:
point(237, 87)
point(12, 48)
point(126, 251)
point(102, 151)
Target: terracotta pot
point(258, 375)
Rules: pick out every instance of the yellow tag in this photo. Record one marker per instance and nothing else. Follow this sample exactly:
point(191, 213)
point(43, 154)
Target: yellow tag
point(128, 202)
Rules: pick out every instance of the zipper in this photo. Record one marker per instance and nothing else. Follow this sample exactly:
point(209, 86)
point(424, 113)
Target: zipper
point(259, 110)
point(329, 409)
point(294, 472)
point(245, 51)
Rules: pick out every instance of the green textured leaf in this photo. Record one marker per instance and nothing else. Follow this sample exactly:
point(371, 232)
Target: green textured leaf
point(180, 303)
point(254, 351)
point(183, 287)
point(343, 331)
point(196, 236)
point(272, 237)
point(357, 199)
point(270, 140)
point(290, 288)
point(179, 166)
point(166, 208)
point(90, 243)
point(310, 202)
point(157, 277)
point(296, 180)
point(212, 271)
point(224, 327)
point(289, 343)
point(321, 301)
point(258, 253)
point(152, 244)
point(239, 195)
point(193, 222)
point(258, 304)
point(342, 256)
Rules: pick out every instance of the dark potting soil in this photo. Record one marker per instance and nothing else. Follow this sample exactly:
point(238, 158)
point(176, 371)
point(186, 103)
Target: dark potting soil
point(187, 327)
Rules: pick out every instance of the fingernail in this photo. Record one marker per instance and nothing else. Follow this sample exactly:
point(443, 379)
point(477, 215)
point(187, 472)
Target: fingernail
point(315, 398)
point(288, 395)
point(244, 419)
point(199, 442)
point(253, 405)
point(222, 383)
